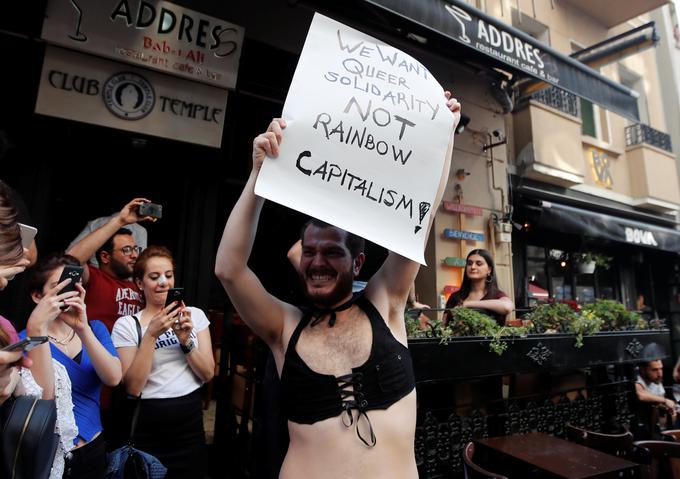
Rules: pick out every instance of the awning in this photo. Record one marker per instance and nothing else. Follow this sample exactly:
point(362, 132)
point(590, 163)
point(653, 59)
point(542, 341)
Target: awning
point(568, 219)
point(513, 50)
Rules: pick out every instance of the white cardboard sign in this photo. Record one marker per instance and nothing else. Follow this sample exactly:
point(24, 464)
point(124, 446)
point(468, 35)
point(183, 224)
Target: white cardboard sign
point(368, 129)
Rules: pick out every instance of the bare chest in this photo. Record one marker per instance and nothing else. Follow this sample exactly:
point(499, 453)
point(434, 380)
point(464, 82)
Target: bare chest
point(338, 349)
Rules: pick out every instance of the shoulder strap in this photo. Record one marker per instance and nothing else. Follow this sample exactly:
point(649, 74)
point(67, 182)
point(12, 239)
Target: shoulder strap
point(138, 400)
point(139, 330)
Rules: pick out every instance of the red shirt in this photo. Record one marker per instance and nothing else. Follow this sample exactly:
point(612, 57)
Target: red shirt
point(109, 298)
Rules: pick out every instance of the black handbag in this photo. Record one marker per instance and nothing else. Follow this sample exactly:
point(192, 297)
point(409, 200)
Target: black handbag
point(29, 442)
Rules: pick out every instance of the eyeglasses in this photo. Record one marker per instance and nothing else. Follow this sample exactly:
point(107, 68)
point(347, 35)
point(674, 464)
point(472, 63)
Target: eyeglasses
point(127, 250)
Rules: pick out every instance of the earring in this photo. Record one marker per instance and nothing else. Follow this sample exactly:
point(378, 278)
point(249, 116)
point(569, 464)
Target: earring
point(488, 277)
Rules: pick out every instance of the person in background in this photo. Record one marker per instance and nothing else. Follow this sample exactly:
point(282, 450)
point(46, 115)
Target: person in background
point(166, 353)
point(649, 386)
point(480, 290)
point(139, 234)
point(85, 349)
point(111, 293)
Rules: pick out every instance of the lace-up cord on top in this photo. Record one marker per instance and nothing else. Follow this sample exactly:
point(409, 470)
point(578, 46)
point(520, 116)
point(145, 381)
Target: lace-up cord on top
point(350, 385)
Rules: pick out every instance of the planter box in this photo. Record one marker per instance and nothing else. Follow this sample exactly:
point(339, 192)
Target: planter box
point(469, 357)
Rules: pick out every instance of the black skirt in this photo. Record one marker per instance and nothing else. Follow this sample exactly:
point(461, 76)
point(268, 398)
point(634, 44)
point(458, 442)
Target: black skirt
point(172, 431)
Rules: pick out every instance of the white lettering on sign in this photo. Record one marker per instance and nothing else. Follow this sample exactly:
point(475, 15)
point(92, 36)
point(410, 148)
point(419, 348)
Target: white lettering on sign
point(638, 236)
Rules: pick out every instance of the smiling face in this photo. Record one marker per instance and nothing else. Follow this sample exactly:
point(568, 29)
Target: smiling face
point(326, 267)
point(159, 276)
point(477, 268)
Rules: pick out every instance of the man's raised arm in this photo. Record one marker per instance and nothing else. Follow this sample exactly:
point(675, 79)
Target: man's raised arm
point(84, 249)
point(392, 283)
point(260, 310)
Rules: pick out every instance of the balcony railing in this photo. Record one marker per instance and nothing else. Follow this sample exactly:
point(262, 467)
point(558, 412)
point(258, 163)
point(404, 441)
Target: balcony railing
point(557, 98)
point(639, 133)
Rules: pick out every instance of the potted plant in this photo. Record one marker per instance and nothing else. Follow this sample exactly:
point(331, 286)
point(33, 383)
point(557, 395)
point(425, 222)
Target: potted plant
point(614, 315)
point(586, 262)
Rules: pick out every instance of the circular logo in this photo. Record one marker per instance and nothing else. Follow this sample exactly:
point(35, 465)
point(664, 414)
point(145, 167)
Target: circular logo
point(129, 96)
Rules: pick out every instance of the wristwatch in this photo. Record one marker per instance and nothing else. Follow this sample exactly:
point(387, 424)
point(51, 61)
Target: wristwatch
point(188, 347)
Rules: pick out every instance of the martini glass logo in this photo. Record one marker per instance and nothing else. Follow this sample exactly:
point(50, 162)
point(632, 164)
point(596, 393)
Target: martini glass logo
point(78, 36)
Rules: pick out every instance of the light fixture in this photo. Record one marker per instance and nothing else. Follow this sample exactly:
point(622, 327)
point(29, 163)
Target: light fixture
point(461, 174)
point(563, 264)
point(464, 120)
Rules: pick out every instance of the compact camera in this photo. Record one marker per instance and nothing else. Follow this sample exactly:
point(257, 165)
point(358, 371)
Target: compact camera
point(150, 209)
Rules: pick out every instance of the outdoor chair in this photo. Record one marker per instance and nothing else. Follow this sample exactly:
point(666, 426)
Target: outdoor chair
point(472, 470)
point(672, 435)
point(657, 459)
point(619, 445)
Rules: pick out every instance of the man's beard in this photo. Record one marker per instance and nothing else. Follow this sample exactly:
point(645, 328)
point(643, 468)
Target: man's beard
point(120, 270)
point(342, 289)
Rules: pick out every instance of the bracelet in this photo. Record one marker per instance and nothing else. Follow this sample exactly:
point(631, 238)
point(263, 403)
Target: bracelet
point(188, 347)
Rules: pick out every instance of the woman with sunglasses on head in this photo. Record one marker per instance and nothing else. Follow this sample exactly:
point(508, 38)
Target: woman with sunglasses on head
point(85, 349)
point(167, 356)
point(480, 290)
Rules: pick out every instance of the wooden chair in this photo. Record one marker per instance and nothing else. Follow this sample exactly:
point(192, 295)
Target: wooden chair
point(672, 435)
point(658, 459)
point(619, 445)
point(472, 470)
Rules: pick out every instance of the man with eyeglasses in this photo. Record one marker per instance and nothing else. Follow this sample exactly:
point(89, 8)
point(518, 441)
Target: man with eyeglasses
point(110, 291)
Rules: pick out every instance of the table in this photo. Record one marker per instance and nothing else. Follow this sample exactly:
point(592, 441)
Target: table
point(558, 457)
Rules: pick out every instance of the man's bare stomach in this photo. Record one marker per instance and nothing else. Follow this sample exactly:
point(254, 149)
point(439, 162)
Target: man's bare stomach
point(327, 449)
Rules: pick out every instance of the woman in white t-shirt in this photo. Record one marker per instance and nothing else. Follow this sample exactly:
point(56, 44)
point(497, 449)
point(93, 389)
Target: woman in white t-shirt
point(173, 359)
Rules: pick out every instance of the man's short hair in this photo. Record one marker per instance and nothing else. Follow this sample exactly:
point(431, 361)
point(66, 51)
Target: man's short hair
point(355, 244)
point(108, 246)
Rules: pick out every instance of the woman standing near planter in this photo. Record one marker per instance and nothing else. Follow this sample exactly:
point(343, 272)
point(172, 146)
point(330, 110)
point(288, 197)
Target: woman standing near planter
point(167, 356)
point(480, 289)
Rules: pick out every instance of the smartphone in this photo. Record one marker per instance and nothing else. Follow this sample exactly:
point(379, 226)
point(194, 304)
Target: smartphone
point(27, 234)
point(26, 344)
point(75, 273)
point(175, 294)
point(150, 209)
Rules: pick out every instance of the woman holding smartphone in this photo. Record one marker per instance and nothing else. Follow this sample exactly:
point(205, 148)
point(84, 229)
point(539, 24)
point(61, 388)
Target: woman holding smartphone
point(166, 354)
point(85, 349)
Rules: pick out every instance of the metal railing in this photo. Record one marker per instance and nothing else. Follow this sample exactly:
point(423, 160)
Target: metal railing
point(640, 133)
point(559, 99)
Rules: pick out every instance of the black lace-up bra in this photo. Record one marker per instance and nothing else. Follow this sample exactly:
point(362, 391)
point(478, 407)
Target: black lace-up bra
point(386, 377)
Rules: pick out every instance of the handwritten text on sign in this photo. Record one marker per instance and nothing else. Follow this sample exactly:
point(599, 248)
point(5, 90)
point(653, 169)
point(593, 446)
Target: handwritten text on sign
point(368, 129)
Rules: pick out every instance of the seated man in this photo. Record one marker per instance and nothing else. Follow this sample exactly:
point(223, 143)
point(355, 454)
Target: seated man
point(650, 390)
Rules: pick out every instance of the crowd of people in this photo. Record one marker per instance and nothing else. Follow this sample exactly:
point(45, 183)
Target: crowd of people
point(108, 325)
point(347, 385)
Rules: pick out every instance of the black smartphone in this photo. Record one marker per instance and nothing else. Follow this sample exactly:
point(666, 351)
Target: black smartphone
point(150, 209)
point(26, 344)
point(75, 273)
point(175, 294)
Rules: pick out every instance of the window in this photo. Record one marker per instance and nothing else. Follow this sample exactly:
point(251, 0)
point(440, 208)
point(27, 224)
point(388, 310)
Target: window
point(552, 274)
point(635, 82)
point(594, 120)
point(530, 26)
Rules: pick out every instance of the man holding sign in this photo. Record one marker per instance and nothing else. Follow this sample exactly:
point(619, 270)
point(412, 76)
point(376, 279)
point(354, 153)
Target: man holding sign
point(345, 361)
point(347, 382)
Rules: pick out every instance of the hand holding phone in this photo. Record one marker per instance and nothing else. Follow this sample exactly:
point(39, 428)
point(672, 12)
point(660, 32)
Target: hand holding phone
point(75, 274)
point(152, 210)
point(26, 344)
point(175, 294)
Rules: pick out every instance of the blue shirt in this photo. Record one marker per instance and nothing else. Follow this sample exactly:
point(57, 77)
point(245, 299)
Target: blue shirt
point(85, 383)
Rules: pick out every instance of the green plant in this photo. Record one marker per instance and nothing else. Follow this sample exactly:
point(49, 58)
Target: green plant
point(585, 324)
point(614, 315)
point(600, 260)
point(552, 318)
point(468, 322)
